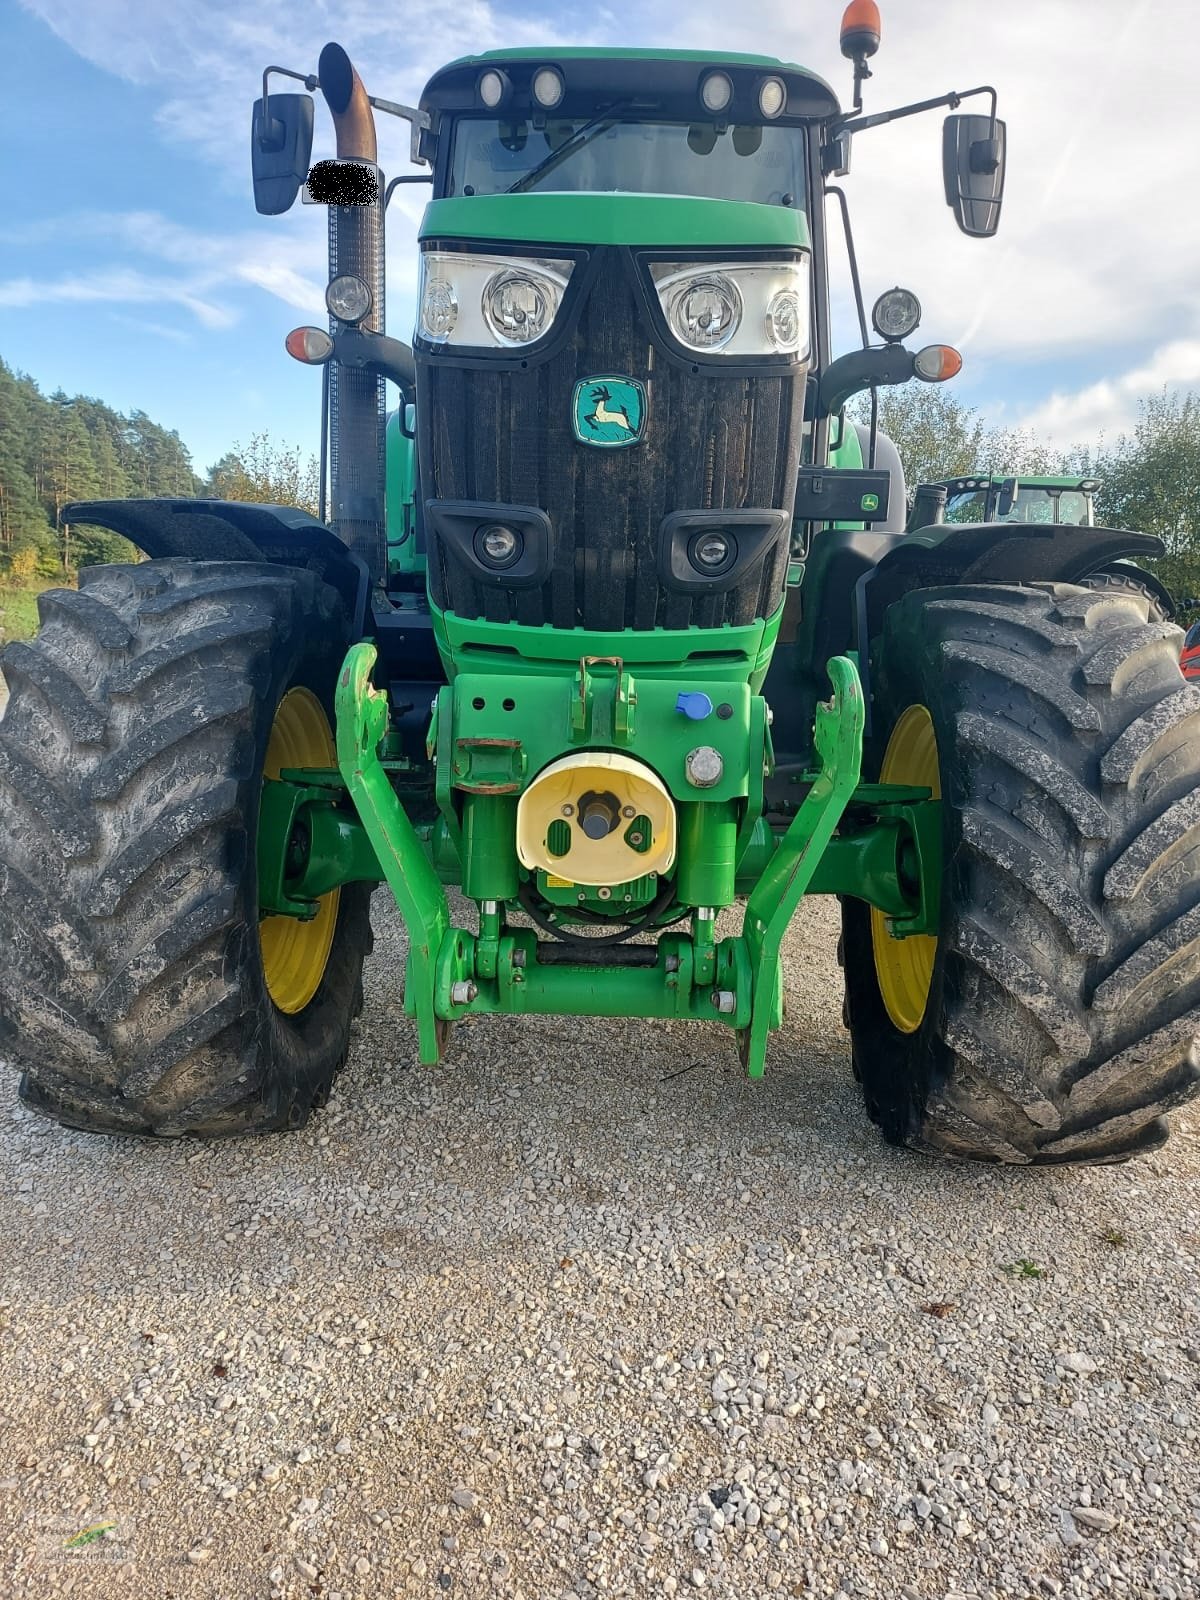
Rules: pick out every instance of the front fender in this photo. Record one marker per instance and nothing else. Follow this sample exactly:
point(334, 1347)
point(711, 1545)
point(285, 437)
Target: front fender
point(994, 552)
point(235, 530)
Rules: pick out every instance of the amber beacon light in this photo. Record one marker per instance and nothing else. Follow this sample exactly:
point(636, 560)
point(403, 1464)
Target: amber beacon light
point(860, 29)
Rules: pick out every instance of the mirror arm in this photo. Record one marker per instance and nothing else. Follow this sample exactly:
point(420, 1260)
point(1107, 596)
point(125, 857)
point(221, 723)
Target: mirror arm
point(376, 352)
point(861, 369)
point(419, 121)
point(852, 258)
point(409, 177)
point(952, 100)
point(308, 79)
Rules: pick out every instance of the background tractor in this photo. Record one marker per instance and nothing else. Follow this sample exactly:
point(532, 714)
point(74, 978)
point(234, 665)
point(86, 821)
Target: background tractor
point(614, 624)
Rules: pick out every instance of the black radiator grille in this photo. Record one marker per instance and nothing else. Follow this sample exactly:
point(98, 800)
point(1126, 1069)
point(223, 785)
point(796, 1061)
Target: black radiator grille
point(710, 442)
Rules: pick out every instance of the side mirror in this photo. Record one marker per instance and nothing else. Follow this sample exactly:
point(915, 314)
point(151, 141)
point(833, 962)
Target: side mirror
point(1009, 491)
point(280, 149)
point(973, 158)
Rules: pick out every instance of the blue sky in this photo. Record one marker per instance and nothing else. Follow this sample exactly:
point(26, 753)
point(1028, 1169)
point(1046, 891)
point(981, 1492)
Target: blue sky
point(133, 266)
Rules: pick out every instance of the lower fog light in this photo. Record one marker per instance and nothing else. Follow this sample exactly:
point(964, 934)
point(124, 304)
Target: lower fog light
point(498, 546)
point(712, 552)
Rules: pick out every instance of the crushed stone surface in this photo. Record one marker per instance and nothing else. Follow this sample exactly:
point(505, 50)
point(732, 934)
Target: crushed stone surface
point(582, 1312)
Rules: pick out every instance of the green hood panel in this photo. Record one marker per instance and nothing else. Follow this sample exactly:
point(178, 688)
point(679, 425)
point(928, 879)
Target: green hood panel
point(651, 220)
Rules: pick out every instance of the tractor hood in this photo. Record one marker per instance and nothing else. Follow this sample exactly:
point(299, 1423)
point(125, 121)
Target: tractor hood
point(670, 221)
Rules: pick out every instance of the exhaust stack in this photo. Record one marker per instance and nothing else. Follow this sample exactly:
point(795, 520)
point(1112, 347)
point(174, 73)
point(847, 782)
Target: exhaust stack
point(357, 415)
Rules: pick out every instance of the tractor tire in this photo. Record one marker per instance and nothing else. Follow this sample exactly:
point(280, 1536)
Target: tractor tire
point(133, 993)
point(1054, 1017)
point(1121, 580)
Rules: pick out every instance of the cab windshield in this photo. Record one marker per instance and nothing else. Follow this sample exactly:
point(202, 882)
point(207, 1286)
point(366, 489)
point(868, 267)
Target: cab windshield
point(1033, 503)
point(750, 162)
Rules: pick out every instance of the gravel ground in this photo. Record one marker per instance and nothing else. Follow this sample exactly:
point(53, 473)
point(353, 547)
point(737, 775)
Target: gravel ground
point(582, 1312)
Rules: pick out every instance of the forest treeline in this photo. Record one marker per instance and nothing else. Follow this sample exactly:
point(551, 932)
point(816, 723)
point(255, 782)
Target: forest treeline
point(59, 448)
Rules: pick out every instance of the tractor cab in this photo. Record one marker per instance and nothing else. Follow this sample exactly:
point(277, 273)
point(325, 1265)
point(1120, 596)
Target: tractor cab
point(1033, 501)
point(633, 122)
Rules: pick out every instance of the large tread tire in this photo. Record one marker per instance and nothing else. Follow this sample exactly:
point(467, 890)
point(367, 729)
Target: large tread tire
point(132, 995)
point(1119, 580)
point(1065, 1001)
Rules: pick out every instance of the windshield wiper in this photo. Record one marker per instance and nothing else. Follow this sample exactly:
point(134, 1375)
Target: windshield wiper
point(580, 137)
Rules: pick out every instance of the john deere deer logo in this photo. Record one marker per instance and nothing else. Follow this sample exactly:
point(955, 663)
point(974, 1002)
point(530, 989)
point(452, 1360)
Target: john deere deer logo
point(608, 411)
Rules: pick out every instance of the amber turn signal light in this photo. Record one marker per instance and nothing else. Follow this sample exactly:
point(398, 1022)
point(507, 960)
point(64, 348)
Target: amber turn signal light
point(937, 362)
point(313, 346)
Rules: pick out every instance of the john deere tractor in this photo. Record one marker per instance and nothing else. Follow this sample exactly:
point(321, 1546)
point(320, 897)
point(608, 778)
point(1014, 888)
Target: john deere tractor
point(614, 626)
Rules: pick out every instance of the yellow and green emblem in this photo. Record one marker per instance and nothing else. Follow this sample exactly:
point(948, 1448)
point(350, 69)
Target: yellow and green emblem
point(608, 412)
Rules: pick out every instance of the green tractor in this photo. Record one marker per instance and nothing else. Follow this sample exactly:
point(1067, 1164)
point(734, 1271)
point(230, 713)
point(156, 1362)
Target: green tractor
point(614, 625)
point(983, 497)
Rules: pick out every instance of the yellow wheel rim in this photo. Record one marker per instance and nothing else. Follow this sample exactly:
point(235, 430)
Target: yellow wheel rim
point(294, 953)
point(904, 967)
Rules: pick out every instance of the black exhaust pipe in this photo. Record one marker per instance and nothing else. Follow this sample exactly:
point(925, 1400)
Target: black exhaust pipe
point(357, 415)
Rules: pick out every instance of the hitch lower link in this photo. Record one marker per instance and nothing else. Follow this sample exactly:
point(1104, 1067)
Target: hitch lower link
point(453, 973)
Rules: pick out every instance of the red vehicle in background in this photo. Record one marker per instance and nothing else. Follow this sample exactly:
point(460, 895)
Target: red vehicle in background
point(1189, 660)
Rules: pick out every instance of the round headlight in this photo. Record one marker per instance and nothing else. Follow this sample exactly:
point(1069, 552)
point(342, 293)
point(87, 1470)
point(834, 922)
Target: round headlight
point(712, 552)
point(518, 307)
point(716, 91)
point(439, 310)
point(348, 298)
point(498, 546)
point(706, 311)
point(783, 320)
point(548, 87)
point(896, 313)
point(772, 96)
point(491, 88)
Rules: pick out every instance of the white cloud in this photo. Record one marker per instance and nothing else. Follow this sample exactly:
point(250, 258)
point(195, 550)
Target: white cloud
point(206, 269)
point(1110, 407)
point(123, 286)
point(1100, 235)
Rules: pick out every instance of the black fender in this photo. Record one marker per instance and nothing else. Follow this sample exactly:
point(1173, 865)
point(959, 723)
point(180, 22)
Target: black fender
point(235, 530)
point(853, 576)
point(984, 552)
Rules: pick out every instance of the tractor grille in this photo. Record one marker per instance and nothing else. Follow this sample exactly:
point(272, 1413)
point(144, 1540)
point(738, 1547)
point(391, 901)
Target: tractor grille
point(711, 443)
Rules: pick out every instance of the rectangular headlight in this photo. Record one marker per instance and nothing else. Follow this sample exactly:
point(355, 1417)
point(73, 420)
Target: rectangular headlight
point(486, 301)
point(736, 308)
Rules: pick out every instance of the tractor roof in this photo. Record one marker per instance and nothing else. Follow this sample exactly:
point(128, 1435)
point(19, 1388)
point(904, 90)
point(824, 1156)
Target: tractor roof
point(1030, 480)
point(649, 78)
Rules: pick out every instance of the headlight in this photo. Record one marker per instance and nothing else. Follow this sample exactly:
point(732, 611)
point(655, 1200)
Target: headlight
point(705, 312)
point(736, 308)
point(348, 298)
point(716, 92)
point(439, 310)
point(548, 87)
point(484, 301)
point(896, 313)
point(518, 306)
point(772, 97)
